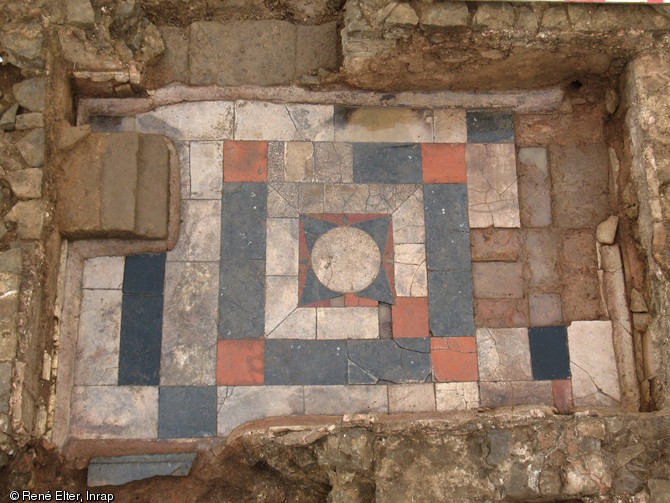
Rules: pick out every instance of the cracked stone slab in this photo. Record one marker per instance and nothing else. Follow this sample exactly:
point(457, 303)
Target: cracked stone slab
point(409, 262)
point(305, 362)
point(238, 405)
point(411, 398)
point(387, 163)
point(503, 354)
point(121, 412)
point(97, 358)
point(374, 125)
point(118, 471)
point(450, 126)
point(389, 360)
point(282, 247)
point(333, 162)
point(188, 355)
point(456, 396)
point(493, 199)
point(104, 273)
point(409, 220)
point(595, 380)
point(197, 120)
point(206, 169)
point(338, 400)
point(490, 127)
point(243, 214)
point(350, 323)
point(278, 206)
point(300, 324)
point(508, 393)
point(450, 303)
point(275, 122)
point(199, 234)
point(187, 412)
point(241, 298)
point(365, 198)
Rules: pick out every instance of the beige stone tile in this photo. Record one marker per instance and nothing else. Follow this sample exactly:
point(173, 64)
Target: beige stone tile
point(200, 233)
point(348, 323)
point(493, 199)
point(450, 126)
point(206, 169)
point(188, 349)
point(298, 161)
point(240, 404)
point(199, 120)
point(281, 298)
point(97, 360)
point(503, 354)
point(411, 398)
point(456, 396)
point(409, 220)
point(300, 324)
point(410, 270)
point(508, 393)
point(545, 309)
point(310, 198)
point(278, 207)
point(383, 125)
point(595, 380)
point(114, 412)
point(104, 273)
point(281, 247)
point(270, 121)
point(338, 400)
point(333, 162)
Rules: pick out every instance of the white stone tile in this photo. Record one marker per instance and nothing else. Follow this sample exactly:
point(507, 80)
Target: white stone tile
point(281, 298)
point(114, 412)
point(104, 273)
point(240, 404)
point(275, 122)
point(206, 169)
point(278, 207)
point(411, 398)
point(503, 354)
point(347, 323)
point(338, 400)
point(384, 125)
point(409, 220)
point(493, 198)
point(298, 161)
point(450, 126)
point(456, 396)
point(409, 264)
point(595, 380)
point(313, 122)
point(300, 324)
point(97, 360)
point(199, 120)
point(200, 232)
point(281, 247)
point(188, 349)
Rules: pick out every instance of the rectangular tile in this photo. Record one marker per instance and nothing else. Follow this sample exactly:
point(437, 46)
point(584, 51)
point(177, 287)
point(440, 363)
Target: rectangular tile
point(187, 412)
point(450, 303)
point(120, 470)
point(411, 398)
point(144, 274)
point(338, 400)
point(200, 232)
point(241, 299)
point(281, 299)
point(104, 273)
point(534, 187)
point(498, 280)
point(490, 127)
point(206, 168)
point(188, 355)
point(508, 393)
point(383, 125)
point(387, 163)
point(350, 323)
point(240, 404)
point(448, 232)
point(198, 120)
point(141, 335)
point(456, 396)
point(409, 263)
point(300, 324)
point(501, 313)
point(271, 121)
point(121, 412)
point(410, 317)
point(409, 220)
point(388, 360)
point(243, 214)
point(450, 126)
point(549, 353)
point(282, 247)
point(503, 354)
point(305, 362)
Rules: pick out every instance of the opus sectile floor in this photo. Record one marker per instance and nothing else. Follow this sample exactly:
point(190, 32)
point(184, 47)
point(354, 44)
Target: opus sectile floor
point(332, 260)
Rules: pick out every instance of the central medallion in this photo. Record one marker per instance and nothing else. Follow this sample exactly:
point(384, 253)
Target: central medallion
point(346, 259)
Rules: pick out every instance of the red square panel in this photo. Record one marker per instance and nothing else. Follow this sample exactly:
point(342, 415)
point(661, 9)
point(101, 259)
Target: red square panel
point(410, 317)
point(454, 359)
point(245, 161)
point(240, 362)
point(443, 163)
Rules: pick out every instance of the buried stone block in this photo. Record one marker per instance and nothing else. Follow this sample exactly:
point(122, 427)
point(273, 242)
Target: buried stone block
point(120, 470)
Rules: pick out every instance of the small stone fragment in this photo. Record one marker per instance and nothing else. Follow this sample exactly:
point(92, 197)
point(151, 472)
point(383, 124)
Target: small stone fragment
point(641, 321)
point(80, 13)
point(31, 147)
point(606, 231)
point(9, 118)
point(445, 15)
point(29, 217)
point(611, 101)
point(29, 121)
point(27, 183)
point(637, 302)
point(31, 94)
point(402, 15)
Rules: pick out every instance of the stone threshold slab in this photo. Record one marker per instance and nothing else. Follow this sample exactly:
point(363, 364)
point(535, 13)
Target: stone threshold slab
point(117, 471)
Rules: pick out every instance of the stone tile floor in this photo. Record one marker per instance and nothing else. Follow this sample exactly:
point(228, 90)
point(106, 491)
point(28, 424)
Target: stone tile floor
point(338, 260)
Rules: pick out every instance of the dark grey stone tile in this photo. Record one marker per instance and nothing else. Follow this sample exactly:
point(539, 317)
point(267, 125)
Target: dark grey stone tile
point(490, 127)
point(187, 412)
point(447, 228)
point(387, 163)
point(314, 229)
point(450, 303)
point(141, 335)
point(305, 362)
point(549, 353)
point(243, 214)
point(379, 289)
point(241, 298)
point(389, 360)
point(315, 291)
point(378, 228)
point(144, 274)
point(118, 471)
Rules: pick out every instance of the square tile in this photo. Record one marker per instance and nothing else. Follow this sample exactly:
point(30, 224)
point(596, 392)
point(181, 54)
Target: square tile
point(206, 169)
point(245, 161)
point(456, 396)
point(387, 163)
point(443, 163)
point(305, 362)
point(333, 162)
point(545, 309)
point(187, 412)
point(410, 317)
point(503, 354)
point(411, 398)
point(104, 273)
point(144, 274)
point(141, 338)
point(450, 126)
point(240, 363)
point(490, 127)
point(454, 359)
point(549, 353)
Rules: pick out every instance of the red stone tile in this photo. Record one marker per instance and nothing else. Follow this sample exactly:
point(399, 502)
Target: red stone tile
point(240, 363)
point(245, 161)
point(443, 163)
point(352, 300)
point(410, 317)
point(454, 359)
point(501, 313)
point(562, 391)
